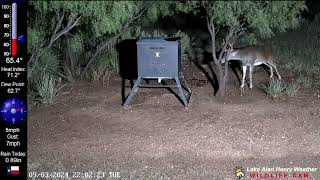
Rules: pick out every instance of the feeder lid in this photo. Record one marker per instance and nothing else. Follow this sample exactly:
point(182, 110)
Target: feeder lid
point(158, 40)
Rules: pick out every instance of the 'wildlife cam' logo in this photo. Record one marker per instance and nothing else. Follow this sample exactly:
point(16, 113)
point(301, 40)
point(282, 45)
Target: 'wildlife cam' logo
point(239, 172)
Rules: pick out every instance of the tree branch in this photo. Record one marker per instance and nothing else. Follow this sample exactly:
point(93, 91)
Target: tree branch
point(111, 40)
point(211, 30)
point(55, 35)
point(204, 3)
point(140, 14)
point(64, 31)
point(217, 30)
point(60, 17)
point(226, 42)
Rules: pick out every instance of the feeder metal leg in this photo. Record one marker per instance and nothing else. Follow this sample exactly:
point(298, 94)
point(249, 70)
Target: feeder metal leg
point(182, 95)
point(185, 82)
point(133, 91)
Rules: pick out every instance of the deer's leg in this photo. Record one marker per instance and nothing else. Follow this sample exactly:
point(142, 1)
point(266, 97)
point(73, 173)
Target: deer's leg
point(271, 70)
point(279, 77)
point(250, 75)
point(274, 67)
point(244, 70)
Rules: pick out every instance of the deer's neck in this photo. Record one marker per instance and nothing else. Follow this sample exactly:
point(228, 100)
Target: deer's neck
point(239, 55)
point(234, 55)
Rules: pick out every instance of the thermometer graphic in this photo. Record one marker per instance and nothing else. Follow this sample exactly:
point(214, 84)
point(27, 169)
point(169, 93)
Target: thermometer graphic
point(14, 40)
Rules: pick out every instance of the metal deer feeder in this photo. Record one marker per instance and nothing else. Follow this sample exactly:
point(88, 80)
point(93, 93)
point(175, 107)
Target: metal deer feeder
point(160, 58)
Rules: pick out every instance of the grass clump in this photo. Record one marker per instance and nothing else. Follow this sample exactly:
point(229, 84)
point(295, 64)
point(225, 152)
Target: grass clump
point(274, 88)
point(47, 89)
point(304, 81)
point(292, 89)
point(277, 88)
point(44, 77)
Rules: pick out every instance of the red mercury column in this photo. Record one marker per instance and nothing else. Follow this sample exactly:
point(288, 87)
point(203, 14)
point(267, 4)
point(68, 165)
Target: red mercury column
point(14, 41)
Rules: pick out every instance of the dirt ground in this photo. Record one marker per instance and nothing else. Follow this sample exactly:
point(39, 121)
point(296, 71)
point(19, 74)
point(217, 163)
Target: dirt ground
point(87, 130)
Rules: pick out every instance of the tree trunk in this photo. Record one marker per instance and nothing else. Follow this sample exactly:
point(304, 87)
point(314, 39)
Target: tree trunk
point(225, 77)
point(222, 84)
point(221, 73)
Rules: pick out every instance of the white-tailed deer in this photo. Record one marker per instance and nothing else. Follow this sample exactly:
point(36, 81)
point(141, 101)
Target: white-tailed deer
point(251, 56)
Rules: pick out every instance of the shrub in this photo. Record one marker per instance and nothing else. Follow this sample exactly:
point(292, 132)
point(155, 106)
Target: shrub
point(185, 43)
point(43, 77)
point(73, 57)
point(47, 64)
point(47, 88)
point(106, 65)
point(274, 88)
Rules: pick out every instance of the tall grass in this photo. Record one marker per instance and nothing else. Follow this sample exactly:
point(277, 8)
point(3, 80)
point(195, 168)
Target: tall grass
point(43, 77)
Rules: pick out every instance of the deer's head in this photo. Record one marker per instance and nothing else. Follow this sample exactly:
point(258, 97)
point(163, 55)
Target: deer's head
point(229, 49)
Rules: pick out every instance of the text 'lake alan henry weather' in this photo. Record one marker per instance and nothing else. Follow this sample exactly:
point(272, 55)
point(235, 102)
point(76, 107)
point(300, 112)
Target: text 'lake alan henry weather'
point(282, 169)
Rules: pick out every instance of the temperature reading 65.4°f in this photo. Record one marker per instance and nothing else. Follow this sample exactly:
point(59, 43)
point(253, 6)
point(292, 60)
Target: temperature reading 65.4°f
point(13, 60)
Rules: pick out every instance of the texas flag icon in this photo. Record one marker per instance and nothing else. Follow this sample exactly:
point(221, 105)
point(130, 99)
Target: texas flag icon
point(13, 170)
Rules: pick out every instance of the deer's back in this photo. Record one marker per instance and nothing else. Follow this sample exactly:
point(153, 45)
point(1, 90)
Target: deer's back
point(256, 53)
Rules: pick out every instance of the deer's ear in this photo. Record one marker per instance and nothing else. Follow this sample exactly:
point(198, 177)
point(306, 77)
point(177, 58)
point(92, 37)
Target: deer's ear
point(228, 47)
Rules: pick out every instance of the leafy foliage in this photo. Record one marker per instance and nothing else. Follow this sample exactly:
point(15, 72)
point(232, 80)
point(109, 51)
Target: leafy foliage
point(48, 64)
point(260, 17)
point(84, 33)
point(102, 16)
point(185, 42)
point(298, 51)
point(54, 25)
point(157, 10)
point(105, 65)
